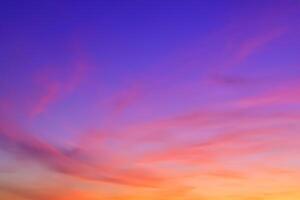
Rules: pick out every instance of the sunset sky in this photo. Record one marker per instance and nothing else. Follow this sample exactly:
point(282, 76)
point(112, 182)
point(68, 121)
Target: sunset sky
point(150, 100)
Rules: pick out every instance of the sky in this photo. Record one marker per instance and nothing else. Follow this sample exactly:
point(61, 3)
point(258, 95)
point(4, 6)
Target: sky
point(150, 100)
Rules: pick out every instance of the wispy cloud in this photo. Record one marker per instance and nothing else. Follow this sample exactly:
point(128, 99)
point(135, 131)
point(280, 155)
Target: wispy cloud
point(54, 90)
point(252, 45)
point(281, 95)
point(22, 144)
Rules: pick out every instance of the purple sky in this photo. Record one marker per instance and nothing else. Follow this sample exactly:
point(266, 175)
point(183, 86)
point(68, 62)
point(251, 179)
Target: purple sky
point(143, 100)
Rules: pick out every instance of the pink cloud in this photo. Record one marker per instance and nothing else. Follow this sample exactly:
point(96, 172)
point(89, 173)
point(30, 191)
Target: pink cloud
point(125, 99)
point(55, 90)
point(281, 95)
point(222, 146)
point(252, 45)
point(51, 95)
point(26, 146)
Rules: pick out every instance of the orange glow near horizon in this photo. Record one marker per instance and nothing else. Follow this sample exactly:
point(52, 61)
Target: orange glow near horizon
point(151, 100)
